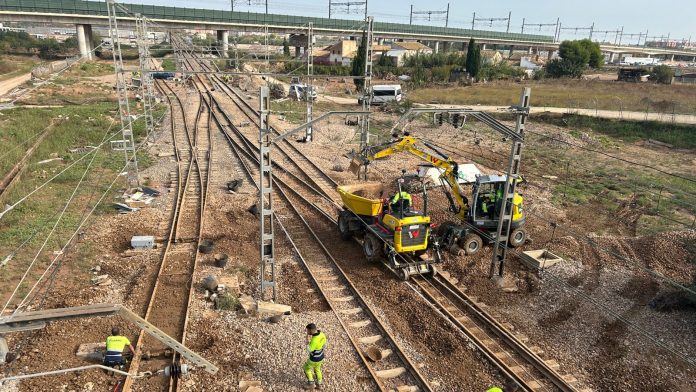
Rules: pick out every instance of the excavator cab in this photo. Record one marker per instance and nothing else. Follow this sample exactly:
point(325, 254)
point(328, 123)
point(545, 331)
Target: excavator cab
point(488, 196)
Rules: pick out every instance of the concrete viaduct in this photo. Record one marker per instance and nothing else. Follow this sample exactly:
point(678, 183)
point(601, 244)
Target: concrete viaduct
point(85, 14)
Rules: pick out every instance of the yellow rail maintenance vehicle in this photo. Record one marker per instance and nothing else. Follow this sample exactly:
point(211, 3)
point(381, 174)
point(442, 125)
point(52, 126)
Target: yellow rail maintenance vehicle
point(396, 234)
point(478, 218)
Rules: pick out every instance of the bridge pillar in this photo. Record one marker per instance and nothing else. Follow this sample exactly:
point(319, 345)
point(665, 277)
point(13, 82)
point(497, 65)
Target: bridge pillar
point(611, 57)
point(483, 46)
point(530, 50)
point(84, 40)
point(223, 37)
point(380, 41)
point(671, 58)
point(437, 46)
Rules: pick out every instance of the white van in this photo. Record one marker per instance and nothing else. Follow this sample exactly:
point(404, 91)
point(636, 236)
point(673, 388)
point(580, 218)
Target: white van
point(298, 92)
point(384, 93)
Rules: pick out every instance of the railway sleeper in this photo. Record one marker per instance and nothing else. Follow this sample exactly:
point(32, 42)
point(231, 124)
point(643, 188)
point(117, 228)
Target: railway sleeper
point(360, 324)
point(370, 339)
point(390, 373)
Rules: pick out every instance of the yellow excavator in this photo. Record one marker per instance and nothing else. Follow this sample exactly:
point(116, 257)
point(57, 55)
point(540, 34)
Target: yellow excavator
point(479, 219)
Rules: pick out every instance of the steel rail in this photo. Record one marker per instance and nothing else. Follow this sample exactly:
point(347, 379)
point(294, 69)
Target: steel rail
point(183, 186)
point(242, 149)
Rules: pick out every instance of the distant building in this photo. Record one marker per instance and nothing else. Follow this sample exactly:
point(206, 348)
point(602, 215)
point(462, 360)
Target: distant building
point(343, 52)
point(401, 50)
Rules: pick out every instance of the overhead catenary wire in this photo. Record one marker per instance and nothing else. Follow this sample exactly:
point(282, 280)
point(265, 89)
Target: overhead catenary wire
point(600, 196)
point(77, 230)
point(55, 225)
point(18, 202)
point(86, 214)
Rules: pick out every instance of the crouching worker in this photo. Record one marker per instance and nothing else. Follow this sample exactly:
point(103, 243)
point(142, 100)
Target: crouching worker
point(114, 348)
point(312, 367)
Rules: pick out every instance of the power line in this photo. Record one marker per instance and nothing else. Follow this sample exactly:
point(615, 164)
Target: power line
point(430, 14)
point(55, 226)
point(345, 7)
point(491, 20)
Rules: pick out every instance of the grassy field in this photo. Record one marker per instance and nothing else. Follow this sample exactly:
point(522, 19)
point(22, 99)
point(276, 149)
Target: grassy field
point(75, 126)
point(12, 66)
point(680, 136)
point(607, 95)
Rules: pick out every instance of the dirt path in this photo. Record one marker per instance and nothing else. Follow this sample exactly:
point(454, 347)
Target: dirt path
point(612, 114)
point(8, 85)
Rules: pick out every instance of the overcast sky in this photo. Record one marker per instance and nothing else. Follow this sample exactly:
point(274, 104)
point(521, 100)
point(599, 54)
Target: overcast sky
point(677, 17)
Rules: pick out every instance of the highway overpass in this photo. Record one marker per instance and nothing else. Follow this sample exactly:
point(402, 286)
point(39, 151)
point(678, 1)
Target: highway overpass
point(84, 14)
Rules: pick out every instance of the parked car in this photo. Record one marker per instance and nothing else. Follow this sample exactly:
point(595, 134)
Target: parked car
point(298, 92)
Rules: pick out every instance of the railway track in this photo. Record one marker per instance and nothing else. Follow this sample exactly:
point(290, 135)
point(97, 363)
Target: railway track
point(290, 154)
point(173, 289)
point(495, 341)
point(364, 329)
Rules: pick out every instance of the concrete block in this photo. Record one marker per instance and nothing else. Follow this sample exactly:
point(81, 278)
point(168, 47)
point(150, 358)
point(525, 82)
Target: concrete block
point(268, 307)
point(93, 352)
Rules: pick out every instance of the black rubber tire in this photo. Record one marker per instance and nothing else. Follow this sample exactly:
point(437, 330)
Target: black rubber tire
point(471, 244)
point(373, 248)
point(403, 274)
point(343, 225)
point(517, 237)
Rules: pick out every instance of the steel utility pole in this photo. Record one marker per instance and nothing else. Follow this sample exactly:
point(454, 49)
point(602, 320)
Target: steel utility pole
point(513, 170)
point(309, 90)
point(146, 88)
point(591, 31)
point(122, 92)
point(367, 95)
point(266, 212)
point(508, 25)
point(268, 271)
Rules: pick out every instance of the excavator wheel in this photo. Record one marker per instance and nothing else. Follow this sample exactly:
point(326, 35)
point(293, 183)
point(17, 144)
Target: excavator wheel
point(471, 243)
point(517, 237)
point(344, 219)
point(373, 248)
point(403, 274)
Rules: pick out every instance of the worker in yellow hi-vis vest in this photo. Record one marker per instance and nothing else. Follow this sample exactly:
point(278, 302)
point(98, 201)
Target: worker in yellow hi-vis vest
point(315, 347)
point(510, 386)
point(114, 348)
